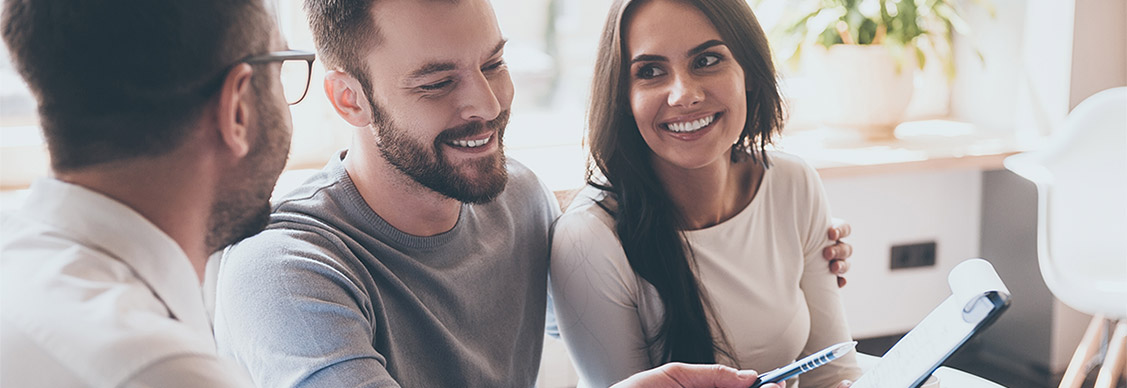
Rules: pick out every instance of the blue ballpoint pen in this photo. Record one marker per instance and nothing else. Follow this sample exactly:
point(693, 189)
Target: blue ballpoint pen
point(806, 364)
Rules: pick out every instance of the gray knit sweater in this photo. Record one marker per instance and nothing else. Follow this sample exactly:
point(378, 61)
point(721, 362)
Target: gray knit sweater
point(331, 295)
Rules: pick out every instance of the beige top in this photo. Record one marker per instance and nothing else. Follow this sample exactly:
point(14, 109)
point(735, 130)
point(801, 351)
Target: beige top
point(773, 293)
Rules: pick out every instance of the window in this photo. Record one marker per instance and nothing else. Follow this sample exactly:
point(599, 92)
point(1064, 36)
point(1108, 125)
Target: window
point(24, 154)
point(551, 54)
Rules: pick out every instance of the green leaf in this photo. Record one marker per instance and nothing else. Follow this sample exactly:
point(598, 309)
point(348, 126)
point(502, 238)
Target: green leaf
point(948, 14)
point(799, 24)
point(921, 59)
point(866, 32)
point(829, 37)
point(796, 58)
point(921, 24)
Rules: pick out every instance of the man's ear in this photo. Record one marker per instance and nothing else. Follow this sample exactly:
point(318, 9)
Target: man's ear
point(234, 110)
point(348, 98)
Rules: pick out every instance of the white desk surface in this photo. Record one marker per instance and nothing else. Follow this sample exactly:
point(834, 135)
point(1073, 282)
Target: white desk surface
point(948, 377)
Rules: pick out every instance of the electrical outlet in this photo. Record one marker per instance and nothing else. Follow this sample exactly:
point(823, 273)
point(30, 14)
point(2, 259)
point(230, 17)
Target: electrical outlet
point(913, 255)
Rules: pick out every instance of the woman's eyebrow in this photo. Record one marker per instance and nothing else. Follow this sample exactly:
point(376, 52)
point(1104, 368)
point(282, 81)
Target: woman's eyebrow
point(648, 58)
point(704, 46)
point(694, 51)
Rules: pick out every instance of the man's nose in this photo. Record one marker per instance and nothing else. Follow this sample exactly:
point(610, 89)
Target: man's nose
point(479, 102)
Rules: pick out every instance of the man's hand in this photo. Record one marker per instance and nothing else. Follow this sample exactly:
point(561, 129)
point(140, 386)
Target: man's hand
point(840, 251)
point(845, 384)
point(679, 375)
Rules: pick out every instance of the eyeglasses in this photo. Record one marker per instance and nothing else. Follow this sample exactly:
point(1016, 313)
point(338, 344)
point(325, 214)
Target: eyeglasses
point(297, 67)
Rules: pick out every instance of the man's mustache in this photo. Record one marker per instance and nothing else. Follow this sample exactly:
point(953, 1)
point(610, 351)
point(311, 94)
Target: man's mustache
point(473, 128)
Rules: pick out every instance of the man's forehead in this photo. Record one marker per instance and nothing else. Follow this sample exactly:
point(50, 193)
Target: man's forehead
point(430, 31)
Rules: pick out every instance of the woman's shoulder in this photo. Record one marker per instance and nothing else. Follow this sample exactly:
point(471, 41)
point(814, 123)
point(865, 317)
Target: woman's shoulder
point(591, 207)
point(584, 239)
point(587, 228)
point(790, 169)
point(788, 162)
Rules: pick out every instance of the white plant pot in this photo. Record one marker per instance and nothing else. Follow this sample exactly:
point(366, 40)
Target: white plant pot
point(861, 87)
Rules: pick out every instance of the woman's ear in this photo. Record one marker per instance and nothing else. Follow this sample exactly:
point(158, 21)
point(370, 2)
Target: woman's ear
point(348, 98)
point(233, 113)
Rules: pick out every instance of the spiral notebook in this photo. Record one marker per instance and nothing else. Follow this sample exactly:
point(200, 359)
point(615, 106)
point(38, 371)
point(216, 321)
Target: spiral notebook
point(978, 297)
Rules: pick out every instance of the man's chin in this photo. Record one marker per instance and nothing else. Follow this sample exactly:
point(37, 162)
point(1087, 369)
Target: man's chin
point(482, 197)
point(482, 181)
point(228, 229)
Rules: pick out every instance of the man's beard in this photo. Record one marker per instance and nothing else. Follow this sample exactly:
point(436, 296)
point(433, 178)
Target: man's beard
point(242, 206)
point(429, 167)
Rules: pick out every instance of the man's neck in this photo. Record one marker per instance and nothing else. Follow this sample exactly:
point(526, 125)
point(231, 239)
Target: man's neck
point(166, 192)
point(405, 204)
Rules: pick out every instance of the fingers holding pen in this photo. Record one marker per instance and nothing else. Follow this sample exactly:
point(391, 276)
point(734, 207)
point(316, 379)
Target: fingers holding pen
point(681, 375)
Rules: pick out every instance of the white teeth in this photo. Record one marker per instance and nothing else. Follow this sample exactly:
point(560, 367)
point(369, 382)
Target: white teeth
point(691, 125)
point(470, 143)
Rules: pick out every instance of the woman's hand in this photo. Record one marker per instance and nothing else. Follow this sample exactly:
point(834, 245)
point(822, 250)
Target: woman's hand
point(680, 375)
point(840, 251)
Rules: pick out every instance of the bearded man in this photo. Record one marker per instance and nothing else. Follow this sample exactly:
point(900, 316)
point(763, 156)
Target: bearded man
point(419, 256)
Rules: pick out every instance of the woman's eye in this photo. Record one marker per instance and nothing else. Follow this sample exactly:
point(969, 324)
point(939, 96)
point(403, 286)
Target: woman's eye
point(650, 71)
point(436, 85)
point(707, 60)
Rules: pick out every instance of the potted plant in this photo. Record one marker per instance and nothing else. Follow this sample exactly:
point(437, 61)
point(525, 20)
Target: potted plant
point(862, 54)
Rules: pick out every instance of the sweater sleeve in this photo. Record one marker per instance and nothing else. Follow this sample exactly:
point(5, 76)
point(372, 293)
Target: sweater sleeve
point(294, 317)
point(819, 286)
point(596, 300)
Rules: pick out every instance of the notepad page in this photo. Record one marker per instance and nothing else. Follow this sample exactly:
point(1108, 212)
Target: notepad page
point(939, 334)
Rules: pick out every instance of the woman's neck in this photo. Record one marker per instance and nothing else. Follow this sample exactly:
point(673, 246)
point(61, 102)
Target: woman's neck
point(711, 194)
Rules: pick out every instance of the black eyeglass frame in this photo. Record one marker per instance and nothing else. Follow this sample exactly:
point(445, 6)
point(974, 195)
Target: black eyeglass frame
point(280, 56)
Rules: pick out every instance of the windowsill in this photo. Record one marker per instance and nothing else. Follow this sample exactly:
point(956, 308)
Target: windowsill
point(931, 145)
point(920, 146)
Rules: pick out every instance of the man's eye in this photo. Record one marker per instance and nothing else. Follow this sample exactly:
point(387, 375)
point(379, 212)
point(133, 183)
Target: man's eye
point(649, 71)
point(494, 66)
point(437, 85)
point(707, 60)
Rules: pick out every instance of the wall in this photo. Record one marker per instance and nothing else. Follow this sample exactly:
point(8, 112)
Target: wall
point(1099, 48)
point(1009, 236)
point(940, 206)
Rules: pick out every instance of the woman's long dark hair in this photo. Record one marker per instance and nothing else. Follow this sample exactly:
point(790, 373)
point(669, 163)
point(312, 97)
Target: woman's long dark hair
point(647, 221)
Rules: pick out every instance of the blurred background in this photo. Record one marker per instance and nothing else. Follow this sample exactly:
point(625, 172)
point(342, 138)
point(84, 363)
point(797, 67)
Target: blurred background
point(909, 141)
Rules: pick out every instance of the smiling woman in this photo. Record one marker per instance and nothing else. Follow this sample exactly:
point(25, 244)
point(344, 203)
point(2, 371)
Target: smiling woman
point(688, 245)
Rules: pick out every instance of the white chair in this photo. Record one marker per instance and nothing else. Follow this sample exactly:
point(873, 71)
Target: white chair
point(1081, 179)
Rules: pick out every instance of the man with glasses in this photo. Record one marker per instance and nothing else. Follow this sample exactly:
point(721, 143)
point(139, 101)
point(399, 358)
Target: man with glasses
point(167, 127)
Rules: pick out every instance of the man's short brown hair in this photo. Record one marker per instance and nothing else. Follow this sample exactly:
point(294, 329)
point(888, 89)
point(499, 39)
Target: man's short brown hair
point(344, 32)
point(119, 79)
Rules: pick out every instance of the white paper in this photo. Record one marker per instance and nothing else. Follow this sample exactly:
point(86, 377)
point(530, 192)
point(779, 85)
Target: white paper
point(939, 334)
